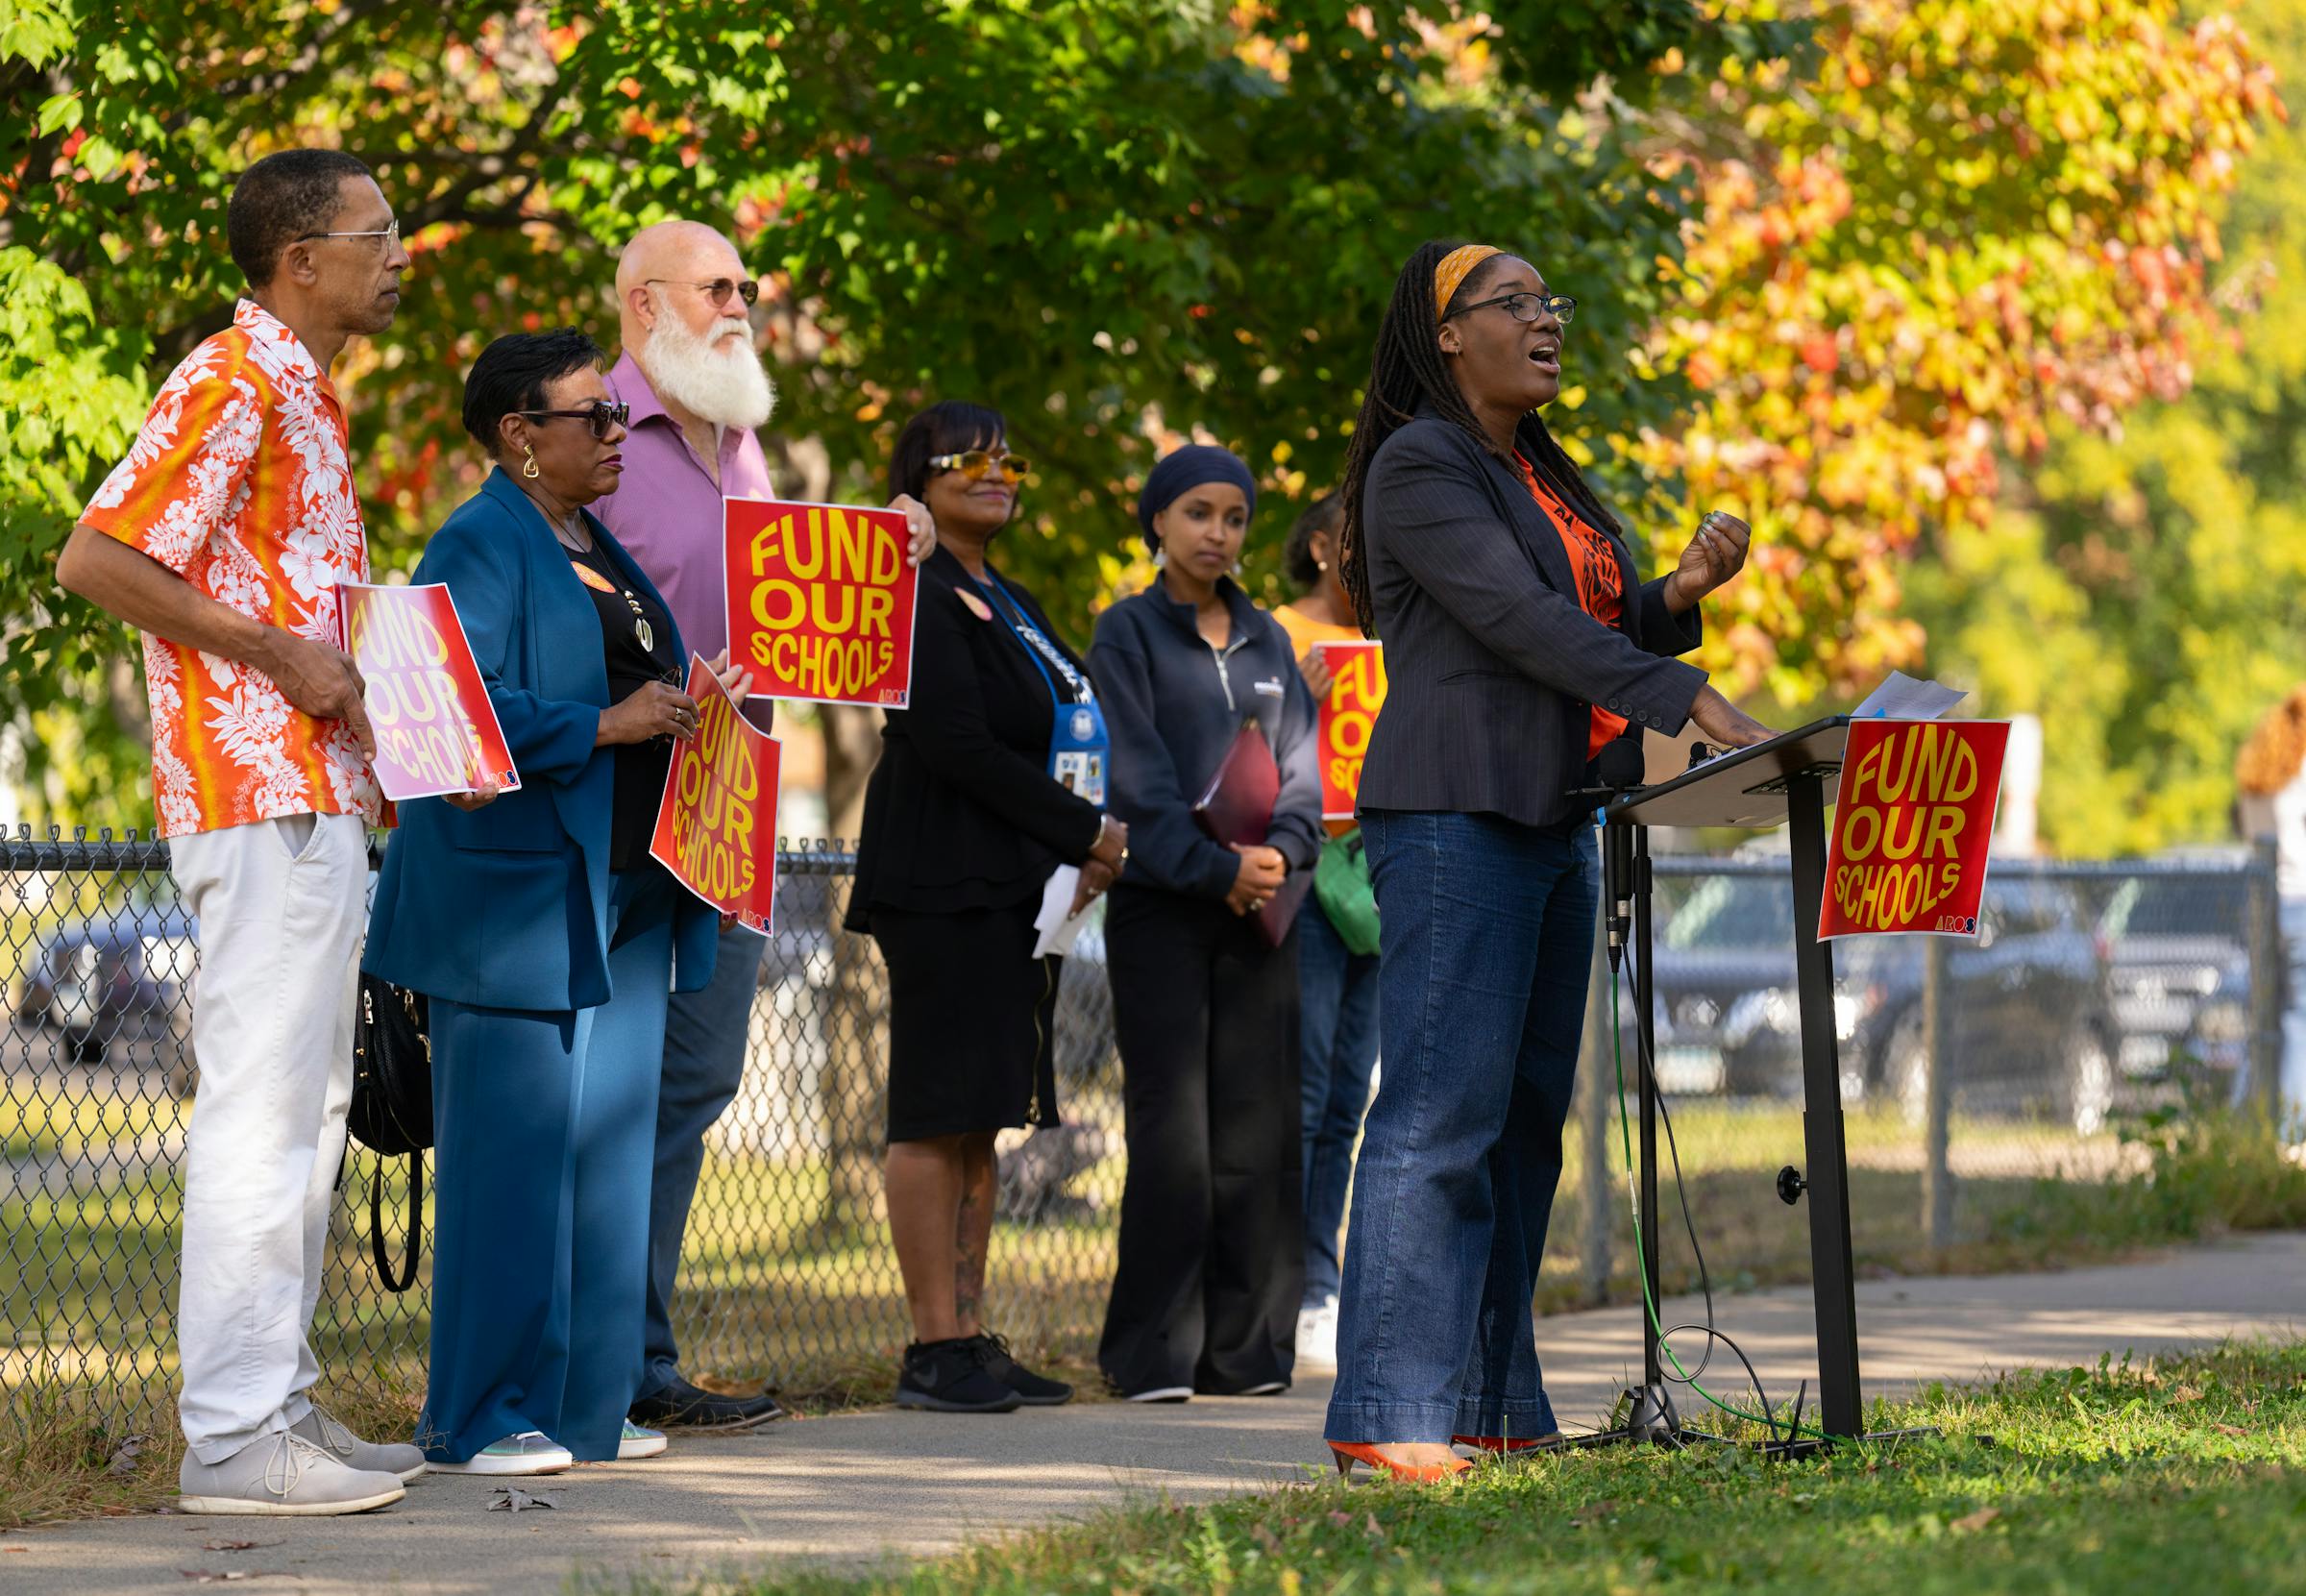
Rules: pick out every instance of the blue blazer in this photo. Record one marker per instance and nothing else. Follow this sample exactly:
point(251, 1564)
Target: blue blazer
point(507, 906)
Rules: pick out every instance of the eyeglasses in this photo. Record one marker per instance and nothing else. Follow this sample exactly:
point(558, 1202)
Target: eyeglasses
point(718, 290)
point(975, 463)
point(391, 235)
point(1526, 308)
point(600, 413)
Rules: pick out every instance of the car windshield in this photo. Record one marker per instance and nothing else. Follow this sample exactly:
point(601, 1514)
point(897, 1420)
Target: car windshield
point(1735, 911)
point(2183, 906)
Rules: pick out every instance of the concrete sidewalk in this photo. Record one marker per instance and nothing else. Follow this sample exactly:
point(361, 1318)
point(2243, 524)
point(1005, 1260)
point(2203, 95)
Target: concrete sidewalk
point(857, 1488)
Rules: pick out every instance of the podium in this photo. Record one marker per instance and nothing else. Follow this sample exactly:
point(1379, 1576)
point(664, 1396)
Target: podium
point(1787, 780)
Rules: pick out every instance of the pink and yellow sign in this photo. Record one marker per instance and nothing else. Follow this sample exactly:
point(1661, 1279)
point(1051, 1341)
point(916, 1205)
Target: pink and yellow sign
point(437, 731)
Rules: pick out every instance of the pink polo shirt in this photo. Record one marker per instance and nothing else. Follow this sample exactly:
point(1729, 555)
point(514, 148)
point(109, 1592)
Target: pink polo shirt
point(666, 511)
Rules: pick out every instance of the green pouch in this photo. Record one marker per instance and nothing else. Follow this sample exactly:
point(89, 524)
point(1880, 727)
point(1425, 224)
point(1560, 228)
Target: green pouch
point(1341, 882)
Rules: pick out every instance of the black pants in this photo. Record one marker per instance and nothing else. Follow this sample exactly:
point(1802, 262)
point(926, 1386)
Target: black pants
point(1213, 1228)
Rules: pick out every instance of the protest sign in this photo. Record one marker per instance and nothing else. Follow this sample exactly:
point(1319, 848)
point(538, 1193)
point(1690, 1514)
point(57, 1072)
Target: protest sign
point(1357, 692)
point(1911, 832)
point(716, 824)
point(821, 600)
point(437, 731)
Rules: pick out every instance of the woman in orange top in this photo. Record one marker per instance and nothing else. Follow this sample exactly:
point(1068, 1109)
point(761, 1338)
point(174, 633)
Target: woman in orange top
point(1336, 987)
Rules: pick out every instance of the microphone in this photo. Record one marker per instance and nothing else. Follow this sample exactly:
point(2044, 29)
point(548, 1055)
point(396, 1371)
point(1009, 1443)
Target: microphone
point(1619, 767)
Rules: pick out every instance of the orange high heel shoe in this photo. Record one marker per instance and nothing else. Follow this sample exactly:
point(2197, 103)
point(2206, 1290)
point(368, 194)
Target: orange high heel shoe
point(1510, 1444)
point(1349, 1453)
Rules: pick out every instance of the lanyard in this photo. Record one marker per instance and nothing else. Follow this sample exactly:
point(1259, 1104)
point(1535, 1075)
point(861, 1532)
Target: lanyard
point(1038, 647)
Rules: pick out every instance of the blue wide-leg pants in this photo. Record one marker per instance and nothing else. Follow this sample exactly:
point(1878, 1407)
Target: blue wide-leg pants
point(545, 1130)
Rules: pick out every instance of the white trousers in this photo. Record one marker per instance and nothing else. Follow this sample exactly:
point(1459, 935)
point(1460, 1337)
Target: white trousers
point(282, 911)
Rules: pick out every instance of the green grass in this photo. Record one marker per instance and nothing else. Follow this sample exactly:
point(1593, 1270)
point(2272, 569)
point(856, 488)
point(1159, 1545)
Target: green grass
point(2189, 1473)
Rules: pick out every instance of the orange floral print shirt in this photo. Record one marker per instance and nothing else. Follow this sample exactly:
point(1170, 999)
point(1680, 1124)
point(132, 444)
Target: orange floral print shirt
point(241, 482)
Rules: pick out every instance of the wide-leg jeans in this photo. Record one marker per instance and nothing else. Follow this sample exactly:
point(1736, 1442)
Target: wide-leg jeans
point(544, 1124)
point(1487, 937)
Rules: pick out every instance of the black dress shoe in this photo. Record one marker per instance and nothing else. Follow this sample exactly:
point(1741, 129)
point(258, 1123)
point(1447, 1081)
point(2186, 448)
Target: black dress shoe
point(949, 1377)
point(681, 1405)
point(1035, 1390)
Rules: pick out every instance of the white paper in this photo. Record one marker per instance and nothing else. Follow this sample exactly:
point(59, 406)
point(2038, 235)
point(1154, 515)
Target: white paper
point(1902, 698)
point(1058, 933)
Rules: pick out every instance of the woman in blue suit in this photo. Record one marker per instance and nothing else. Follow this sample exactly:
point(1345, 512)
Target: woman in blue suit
point(546, 937)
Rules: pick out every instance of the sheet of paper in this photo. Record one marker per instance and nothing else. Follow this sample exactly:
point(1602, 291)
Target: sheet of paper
point(1058, 933)
point(1902, 698)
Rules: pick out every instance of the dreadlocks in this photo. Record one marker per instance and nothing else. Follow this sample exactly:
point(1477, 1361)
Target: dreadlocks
point(1408, 369)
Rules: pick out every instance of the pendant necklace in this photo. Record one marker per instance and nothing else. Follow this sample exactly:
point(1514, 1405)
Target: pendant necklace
point(642, 633)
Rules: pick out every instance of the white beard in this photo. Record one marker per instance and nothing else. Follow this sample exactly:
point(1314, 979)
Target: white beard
point(723, 383)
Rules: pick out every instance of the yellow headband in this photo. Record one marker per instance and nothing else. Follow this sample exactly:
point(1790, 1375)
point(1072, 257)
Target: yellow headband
point(1455, 268)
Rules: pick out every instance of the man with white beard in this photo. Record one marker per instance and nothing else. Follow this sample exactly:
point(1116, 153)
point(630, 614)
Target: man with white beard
point(696, 390)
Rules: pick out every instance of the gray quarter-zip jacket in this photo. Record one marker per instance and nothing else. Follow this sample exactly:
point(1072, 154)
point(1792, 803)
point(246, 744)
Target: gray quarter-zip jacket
point(1173, 706)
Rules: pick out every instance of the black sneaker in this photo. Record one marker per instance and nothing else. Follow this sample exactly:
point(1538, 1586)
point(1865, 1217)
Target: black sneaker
point(949, 1377)
point(1034, 1391)
point(681, 1406)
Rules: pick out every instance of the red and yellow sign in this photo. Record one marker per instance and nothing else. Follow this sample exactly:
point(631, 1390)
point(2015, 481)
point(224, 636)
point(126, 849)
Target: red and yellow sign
point(437, 731)
point(715, 825)
point(821, 600)
point(1357, 692)
point(1913, 825)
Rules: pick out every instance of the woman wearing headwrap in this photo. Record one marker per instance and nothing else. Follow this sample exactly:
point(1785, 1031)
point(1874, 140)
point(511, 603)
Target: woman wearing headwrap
point(1205, 1010)
point(1518, 642)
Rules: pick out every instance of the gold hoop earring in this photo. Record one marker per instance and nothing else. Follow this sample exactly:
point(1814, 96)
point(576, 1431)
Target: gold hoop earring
point(530, 470)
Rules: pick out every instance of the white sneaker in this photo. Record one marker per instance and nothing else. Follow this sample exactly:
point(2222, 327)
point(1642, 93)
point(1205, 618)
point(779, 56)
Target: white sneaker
point(282, 1475)
point(530, 1451)
point(1161, 1393)
point(369, 1457)
point(1318, 1338)
point(640, 1442)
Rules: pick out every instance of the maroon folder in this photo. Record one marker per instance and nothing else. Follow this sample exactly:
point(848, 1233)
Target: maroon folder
point(1239, 808)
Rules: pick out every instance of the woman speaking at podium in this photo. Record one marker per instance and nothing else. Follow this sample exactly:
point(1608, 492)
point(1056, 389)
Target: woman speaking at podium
point(1518, 642)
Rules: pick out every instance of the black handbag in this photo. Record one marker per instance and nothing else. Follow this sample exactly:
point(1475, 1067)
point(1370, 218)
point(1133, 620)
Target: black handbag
point(391, 1112)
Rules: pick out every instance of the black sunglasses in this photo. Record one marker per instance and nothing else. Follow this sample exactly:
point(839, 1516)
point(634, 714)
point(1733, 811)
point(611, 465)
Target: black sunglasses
point(718, 290)
point(601, 413)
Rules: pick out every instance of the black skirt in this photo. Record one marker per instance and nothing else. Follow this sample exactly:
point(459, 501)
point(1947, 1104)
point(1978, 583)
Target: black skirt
point(972, 1020)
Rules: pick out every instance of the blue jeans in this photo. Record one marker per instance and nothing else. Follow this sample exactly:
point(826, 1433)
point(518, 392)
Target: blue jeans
point(1487, 935)
point(706, 1033)
point(1336, 1030)
point(541, 1123)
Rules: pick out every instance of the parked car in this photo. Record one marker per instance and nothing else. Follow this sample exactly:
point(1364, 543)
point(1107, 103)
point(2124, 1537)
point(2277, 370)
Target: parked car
point(2030, 1001)
point(2179, 944)
point(122, 976)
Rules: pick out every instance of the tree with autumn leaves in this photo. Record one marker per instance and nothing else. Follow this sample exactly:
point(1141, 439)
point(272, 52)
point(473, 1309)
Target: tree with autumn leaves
point(1843, 267)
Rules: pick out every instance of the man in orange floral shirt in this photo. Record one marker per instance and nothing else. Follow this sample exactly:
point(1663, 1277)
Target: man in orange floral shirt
point(222, 538)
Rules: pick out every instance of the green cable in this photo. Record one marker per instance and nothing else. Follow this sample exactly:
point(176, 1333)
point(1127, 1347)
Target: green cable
point(1625, 1133)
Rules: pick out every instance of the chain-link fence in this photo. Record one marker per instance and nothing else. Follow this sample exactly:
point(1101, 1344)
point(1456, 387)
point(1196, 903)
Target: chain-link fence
point(2094, 990)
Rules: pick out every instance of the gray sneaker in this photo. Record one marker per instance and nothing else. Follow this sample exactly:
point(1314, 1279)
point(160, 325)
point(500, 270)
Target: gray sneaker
point(282, 1475)
point(350, 1450)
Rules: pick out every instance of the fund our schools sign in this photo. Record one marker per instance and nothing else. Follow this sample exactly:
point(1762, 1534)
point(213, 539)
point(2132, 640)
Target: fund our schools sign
point(716, 824)
point(1912, 827)
point(821, 600)
point(1357, 692)
point(437, 732)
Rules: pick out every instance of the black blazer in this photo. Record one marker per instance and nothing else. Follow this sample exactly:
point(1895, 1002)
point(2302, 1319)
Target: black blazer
point(1492, 668)
point(961, 812)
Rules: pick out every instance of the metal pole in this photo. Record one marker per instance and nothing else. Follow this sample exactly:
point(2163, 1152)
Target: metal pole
point(1646, 1024)
point(1597, 1090)
point(1840, 1410)
point(1937, 1174)
point(2268, 978)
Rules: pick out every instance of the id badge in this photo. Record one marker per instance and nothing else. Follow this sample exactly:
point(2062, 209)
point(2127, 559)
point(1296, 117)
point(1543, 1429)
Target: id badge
point(1080, 751)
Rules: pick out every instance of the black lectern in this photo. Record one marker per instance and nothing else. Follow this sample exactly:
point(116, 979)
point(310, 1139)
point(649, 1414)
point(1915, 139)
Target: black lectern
point(1790, 780)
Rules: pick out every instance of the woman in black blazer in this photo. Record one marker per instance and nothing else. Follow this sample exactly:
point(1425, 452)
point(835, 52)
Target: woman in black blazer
point(987, 782)
point(1518, 642)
